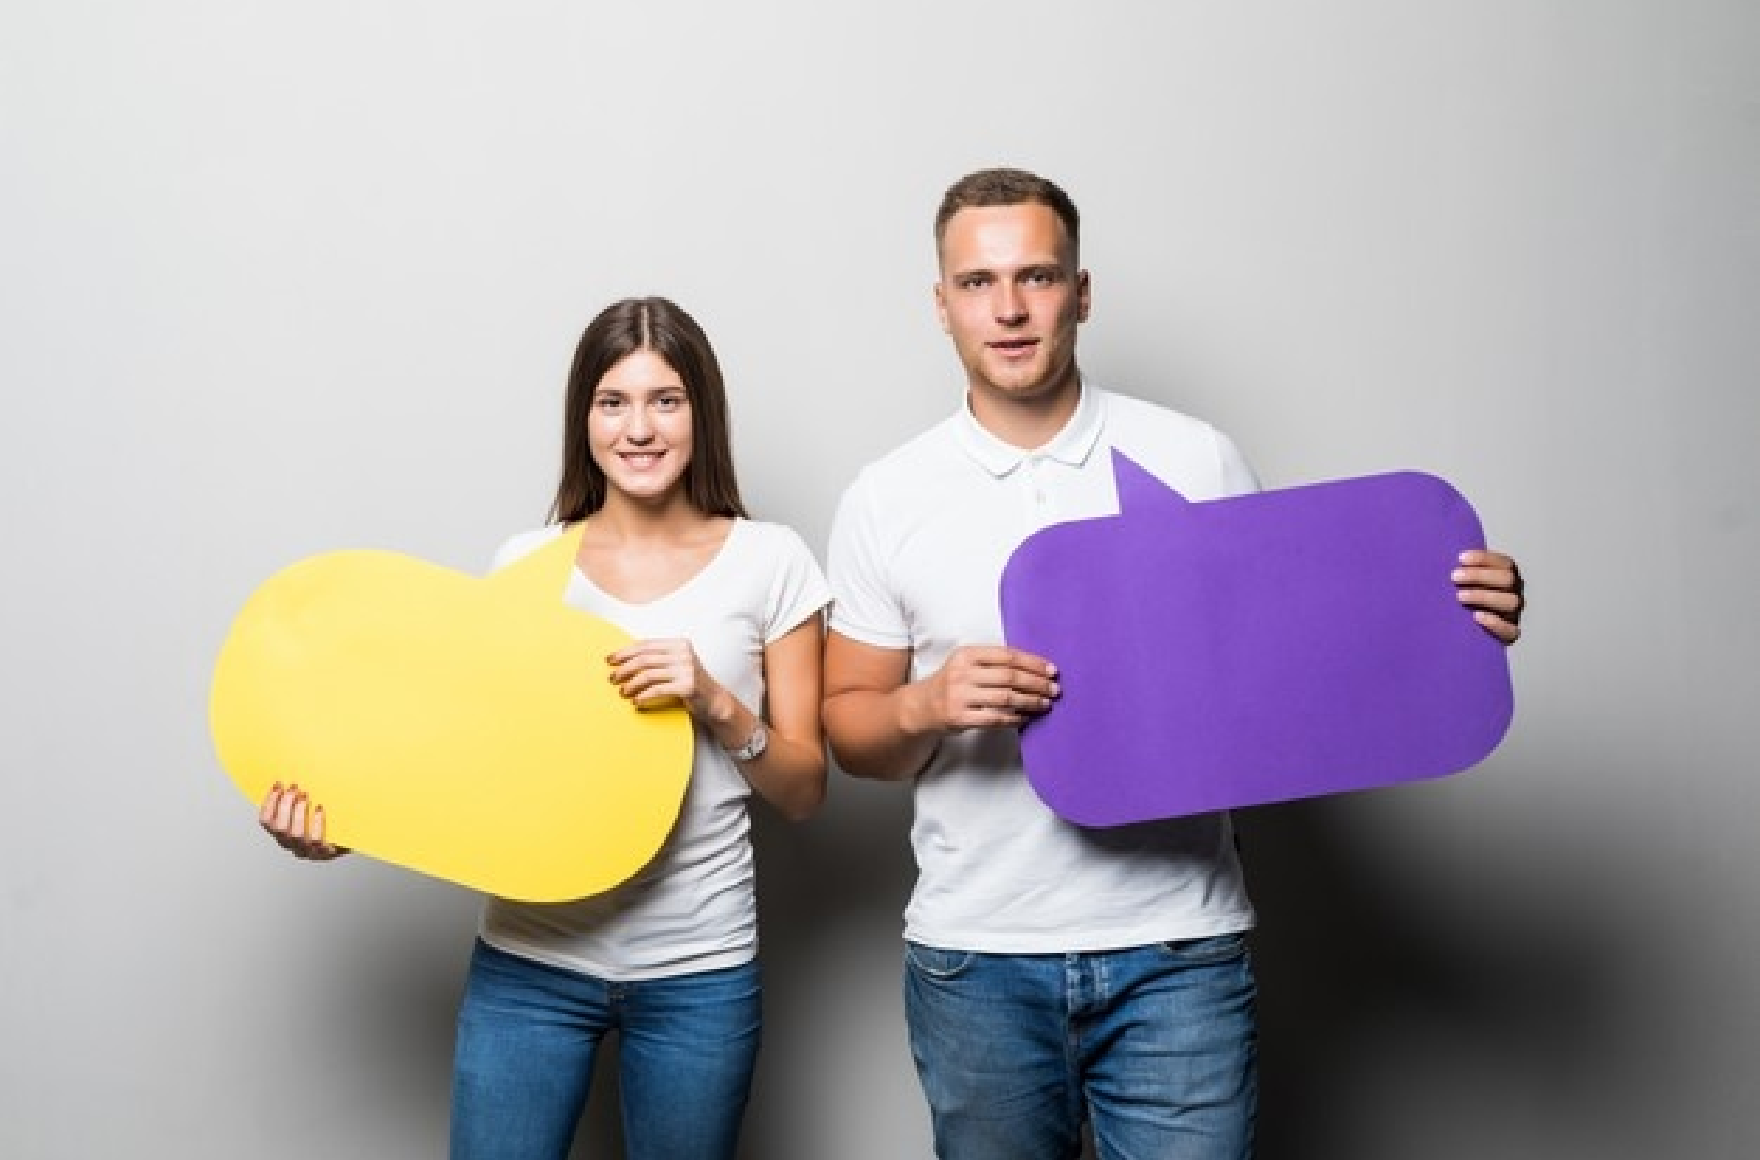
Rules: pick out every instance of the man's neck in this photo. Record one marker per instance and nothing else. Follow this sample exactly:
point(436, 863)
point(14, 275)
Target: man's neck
point(1028, 424)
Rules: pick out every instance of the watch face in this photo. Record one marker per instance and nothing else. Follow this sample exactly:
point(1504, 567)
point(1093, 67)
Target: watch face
point(755, 744)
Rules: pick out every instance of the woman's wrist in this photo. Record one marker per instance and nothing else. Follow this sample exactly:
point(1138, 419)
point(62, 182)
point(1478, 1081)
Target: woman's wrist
point(753, 747)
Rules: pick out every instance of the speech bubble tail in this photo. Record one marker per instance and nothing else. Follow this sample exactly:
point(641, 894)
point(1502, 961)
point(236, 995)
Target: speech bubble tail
point(1138, 489)
point(542, 572)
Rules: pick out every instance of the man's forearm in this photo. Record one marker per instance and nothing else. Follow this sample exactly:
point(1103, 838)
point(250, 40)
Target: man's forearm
point(879, 735)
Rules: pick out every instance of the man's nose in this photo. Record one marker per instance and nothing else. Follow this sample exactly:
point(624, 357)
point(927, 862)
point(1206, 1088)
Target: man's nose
point(1011, 304)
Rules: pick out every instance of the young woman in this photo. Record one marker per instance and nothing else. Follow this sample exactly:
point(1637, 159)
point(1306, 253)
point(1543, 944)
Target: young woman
point(726, 615)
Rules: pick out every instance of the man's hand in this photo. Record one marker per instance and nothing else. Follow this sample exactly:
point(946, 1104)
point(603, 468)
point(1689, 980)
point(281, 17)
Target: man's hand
point(1490, 584)
point(986, 687)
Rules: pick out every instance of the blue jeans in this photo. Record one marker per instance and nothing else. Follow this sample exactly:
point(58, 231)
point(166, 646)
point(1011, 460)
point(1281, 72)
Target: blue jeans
point(527, 1035)
point(1156, 1046)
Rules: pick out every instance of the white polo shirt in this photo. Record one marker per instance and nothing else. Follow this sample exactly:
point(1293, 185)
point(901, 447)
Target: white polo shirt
point(917, 552)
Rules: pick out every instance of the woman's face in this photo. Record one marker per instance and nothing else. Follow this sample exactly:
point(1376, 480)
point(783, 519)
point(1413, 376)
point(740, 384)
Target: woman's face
point(639, 427)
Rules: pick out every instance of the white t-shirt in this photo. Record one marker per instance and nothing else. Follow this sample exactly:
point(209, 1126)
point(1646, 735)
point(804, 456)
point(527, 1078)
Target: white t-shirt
point(692, 908)
point(917, 552)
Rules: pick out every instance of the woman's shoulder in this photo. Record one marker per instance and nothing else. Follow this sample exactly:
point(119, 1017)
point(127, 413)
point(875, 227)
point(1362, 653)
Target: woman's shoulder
point(772, 537)
point(522, 544)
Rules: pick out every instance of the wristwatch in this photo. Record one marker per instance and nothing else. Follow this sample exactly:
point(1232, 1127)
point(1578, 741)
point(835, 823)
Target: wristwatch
point(755, 745)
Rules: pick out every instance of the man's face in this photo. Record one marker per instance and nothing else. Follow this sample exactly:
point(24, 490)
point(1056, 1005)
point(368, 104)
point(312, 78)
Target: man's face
point(1010, 296)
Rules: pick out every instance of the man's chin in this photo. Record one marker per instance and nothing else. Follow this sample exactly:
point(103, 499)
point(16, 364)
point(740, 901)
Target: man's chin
point(1025, 387)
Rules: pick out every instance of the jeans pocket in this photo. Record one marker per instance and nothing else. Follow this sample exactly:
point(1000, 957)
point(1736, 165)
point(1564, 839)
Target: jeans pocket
point(1204, 952)
point(935, 962)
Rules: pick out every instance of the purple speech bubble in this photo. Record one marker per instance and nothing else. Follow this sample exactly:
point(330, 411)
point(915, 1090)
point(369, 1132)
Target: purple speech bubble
point(1256, 649)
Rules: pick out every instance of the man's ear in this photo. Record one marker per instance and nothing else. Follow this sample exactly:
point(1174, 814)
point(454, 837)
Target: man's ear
point(1083, 298)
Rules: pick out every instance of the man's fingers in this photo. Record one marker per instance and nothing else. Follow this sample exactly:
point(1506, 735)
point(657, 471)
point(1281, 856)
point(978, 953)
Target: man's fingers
point(1486, 558)
point(1001, 656)
point(991, 706)
point(1037, 678)
point(1497, 579)
point(1490, 584)
point(1018, 700)
point(1504, 630)
point(1486, 569)
point(980, 717)
point(1491, 599)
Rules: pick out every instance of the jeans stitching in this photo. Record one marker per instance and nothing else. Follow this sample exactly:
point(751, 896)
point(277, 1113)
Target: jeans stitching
point(916, 956)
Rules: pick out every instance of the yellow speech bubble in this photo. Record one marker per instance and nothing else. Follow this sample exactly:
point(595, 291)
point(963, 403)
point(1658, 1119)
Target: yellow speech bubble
point(462, 727)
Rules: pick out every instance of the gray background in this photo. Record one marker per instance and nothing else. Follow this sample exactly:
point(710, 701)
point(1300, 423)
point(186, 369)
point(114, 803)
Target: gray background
point(280, 279)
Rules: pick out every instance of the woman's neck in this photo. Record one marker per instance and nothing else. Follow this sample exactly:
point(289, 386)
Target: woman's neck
point(627, 521)
point(639, 554)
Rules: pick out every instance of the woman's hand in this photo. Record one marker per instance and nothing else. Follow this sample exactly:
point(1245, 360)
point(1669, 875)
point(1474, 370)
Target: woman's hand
point(296, 825)
point(790, 773)
point(658, 673)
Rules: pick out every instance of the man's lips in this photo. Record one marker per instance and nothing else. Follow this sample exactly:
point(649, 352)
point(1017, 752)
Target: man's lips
point(1014, 347)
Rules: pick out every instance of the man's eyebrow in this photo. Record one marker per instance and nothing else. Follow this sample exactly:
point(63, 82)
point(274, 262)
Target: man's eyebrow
point(1024, 270)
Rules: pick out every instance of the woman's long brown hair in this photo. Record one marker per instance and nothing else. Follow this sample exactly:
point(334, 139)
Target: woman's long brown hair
point(621, 329)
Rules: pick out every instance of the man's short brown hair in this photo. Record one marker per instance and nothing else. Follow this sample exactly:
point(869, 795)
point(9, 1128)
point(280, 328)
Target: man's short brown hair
point(987, 187)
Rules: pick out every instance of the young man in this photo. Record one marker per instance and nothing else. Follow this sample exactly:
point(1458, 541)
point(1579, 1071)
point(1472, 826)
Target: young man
point(1053, 973)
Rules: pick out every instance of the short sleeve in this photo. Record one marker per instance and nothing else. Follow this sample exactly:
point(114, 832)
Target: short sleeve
point(1237, 477)
point(863, 606)
point(797, 585)
point(517, 547)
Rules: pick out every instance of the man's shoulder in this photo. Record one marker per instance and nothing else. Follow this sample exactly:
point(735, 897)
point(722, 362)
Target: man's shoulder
point(1129, 413)
point(1189, 454)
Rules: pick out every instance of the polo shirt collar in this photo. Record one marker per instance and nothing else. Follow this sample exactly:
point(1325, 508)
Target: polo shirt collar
point(1070, 446)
